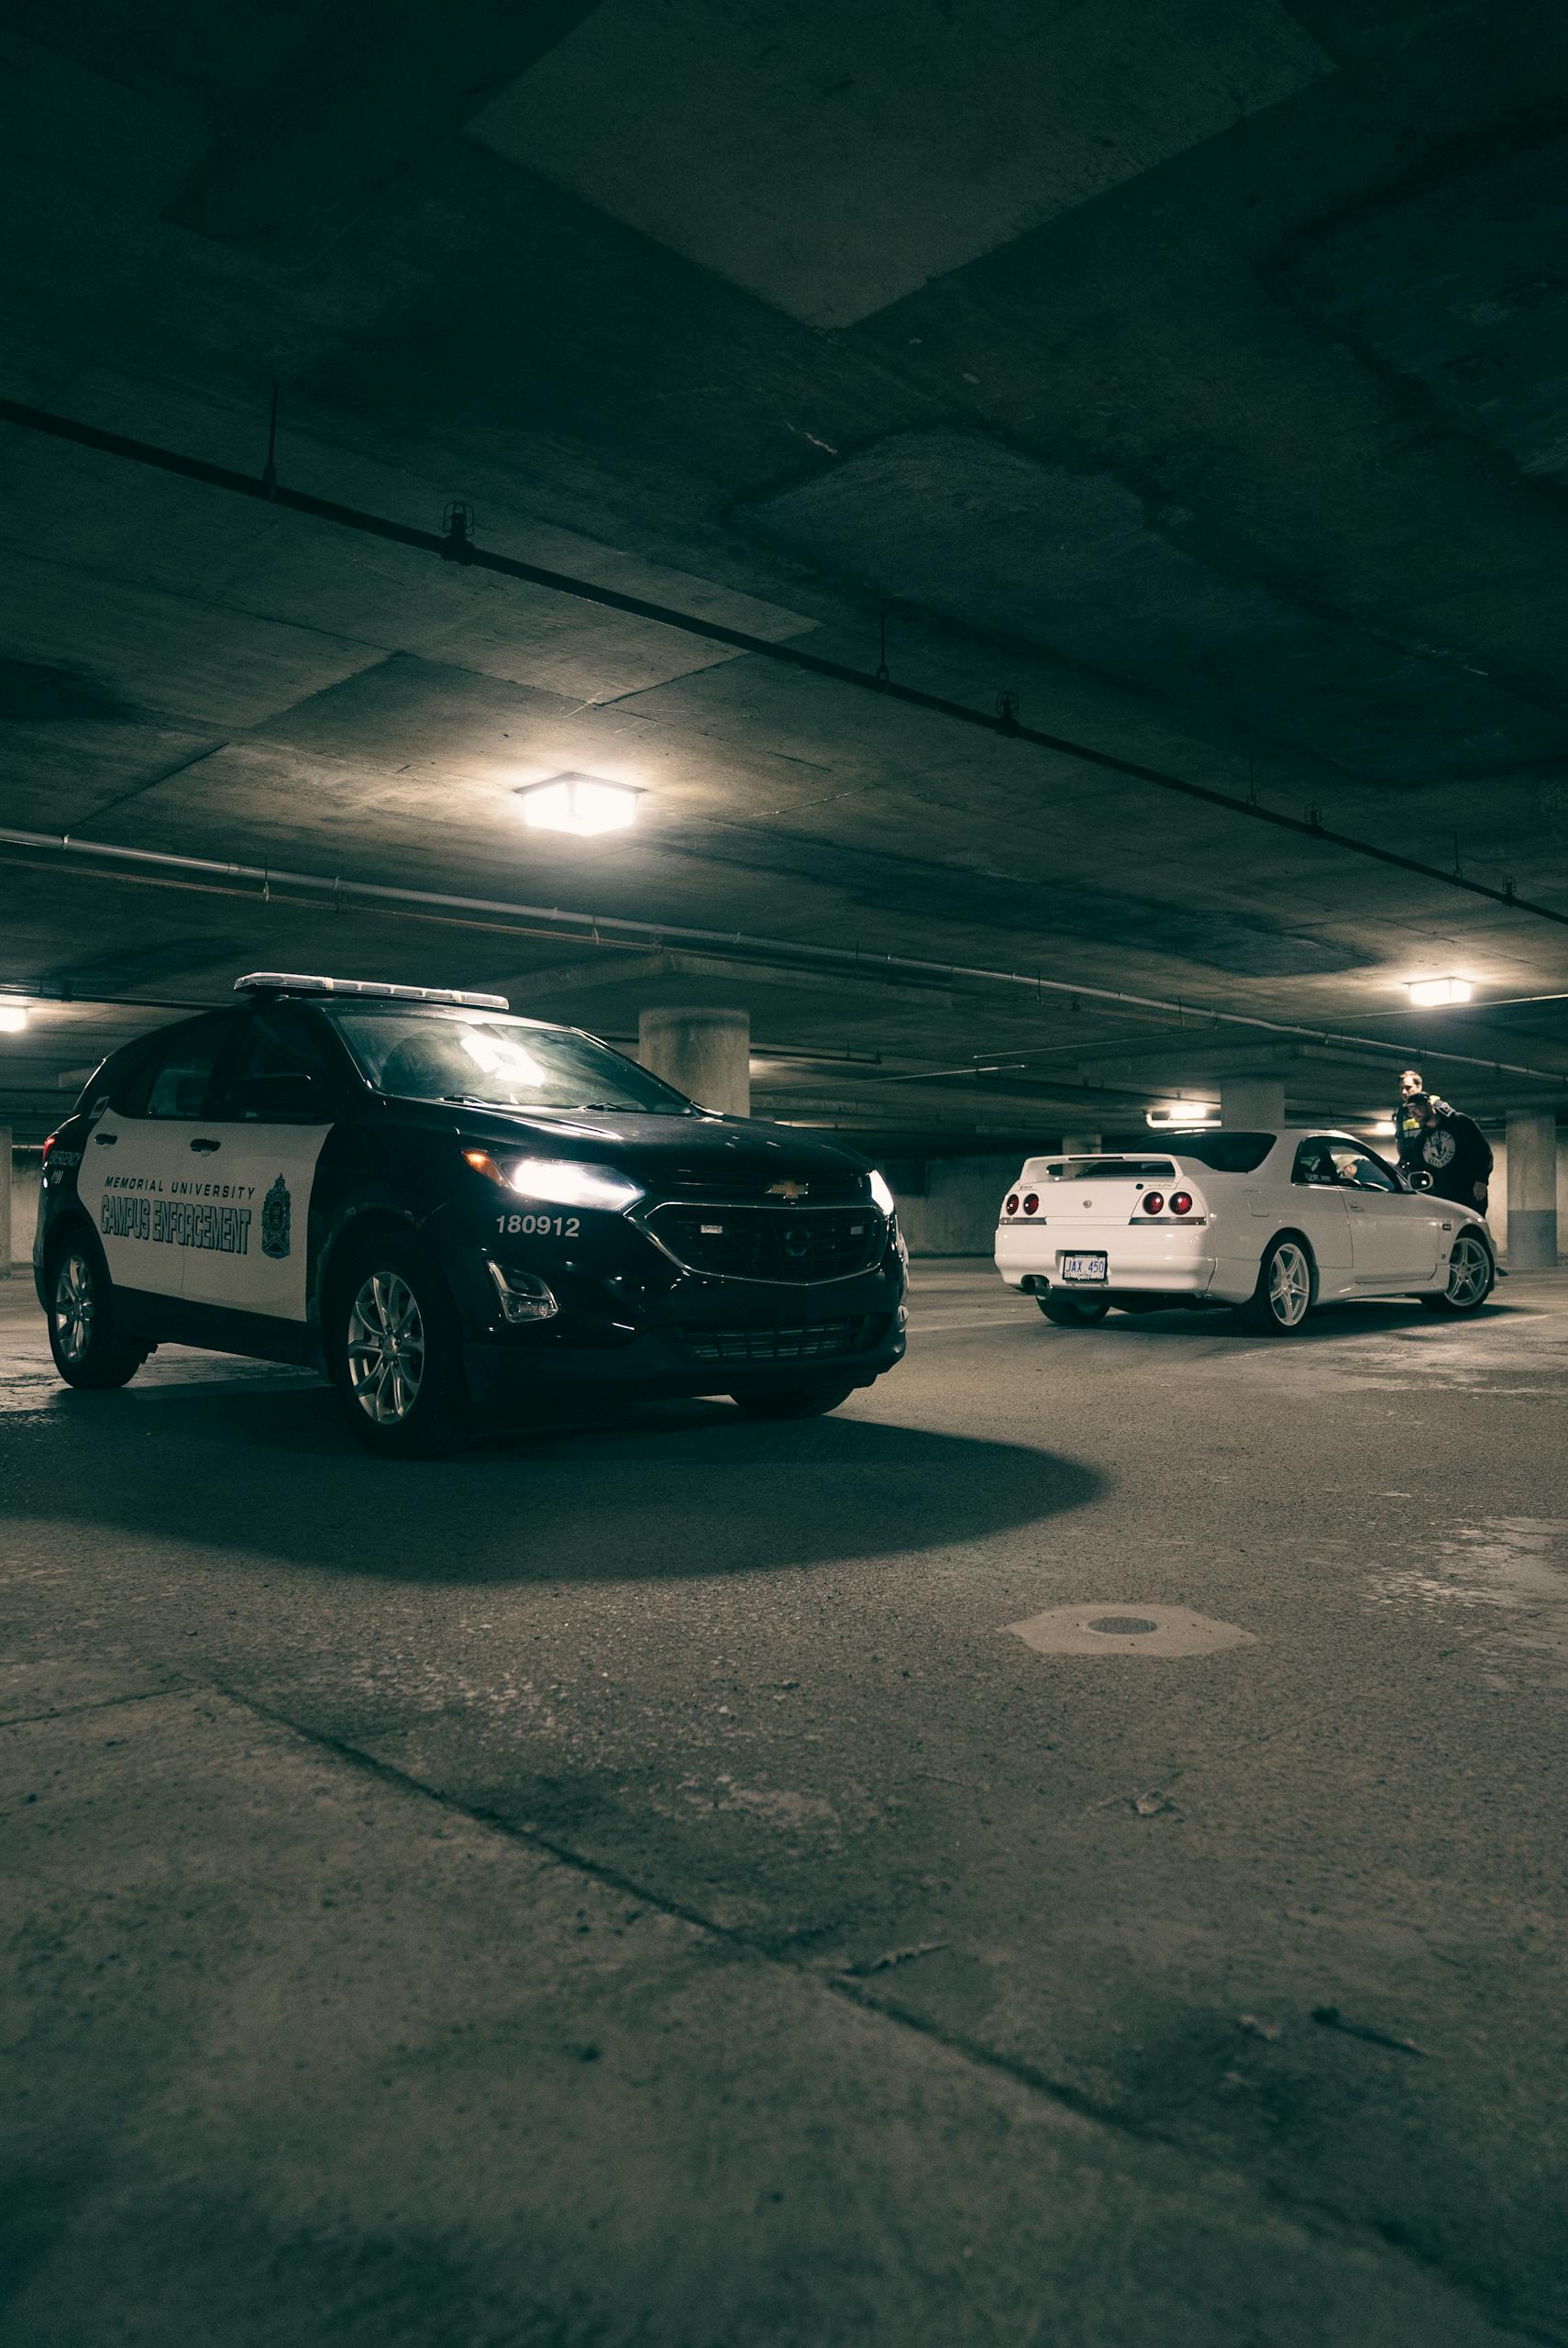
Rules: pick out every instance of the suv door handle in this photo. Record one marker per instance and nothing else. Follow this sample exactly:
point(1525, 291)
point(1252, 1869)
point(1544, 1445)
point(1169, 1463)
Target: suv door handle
point(106, 1141)
point(205, 1146)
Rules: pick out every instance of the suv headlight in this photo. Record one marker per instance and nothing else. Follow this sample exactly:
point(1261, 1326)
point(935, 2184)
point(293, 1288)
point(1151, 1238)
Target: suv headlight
point(559, 1182)
point(881, 1195)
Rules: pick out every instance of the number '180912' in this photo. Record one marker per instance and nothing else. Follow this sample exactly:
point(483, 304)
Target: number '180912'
point(557, 1226)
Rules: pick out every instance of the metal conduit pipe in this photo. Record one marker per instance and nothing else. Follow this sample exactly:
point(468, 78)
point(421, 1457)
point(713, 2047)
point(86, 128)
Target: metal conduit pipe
point(459, 549)
point(737, 944)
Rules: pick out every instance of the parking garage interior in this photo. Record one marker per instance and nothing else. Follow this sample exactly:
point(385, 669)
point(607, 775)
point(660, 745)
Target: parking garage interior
point(1026, 546)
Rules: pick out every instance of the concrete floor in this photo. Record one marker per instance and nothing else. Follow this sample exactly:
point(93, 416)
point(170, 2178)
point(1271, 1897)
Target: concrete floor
point(630, 1884)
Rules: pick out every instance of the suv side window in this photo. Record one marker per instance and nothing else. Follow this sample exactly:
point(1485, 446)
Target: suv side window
point(176, 1079)
point(284, 1071)
point(117, 1080)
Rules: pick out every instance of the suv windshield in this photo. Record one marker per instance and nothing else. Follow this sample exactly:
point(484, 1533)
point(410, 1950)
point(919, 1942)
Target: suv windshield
point(495, 1062)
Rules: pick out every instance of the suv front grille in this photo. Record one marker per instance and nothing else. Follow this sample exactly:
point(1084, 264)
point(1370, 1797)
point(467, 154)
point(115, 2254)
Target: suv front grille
point(834, 1190)
point(811, 1340)
point(783, 1244)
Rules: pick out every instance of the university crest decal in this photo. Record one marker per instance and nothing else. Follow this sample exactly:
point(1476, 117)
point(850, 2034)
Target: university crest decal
point(275, 1219)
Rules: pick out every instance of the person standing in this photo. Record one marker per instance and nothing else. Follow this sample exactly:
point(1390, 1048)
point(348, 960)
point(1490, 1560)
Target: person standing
point(1440, 1141)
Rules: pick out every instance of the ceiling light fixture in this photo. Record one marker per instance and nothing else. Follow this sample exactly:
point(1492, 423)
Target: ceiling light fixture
point(1183, 1113)
point(1433, 991)
point(13, 1015)
point(582, 803)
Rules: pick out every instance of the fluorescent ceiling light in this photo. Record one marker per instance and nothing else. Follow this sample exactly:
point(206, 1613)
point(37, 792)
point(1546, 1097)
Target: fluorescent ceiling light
point(1384, 1125)
point(581, 804)
point(13, 1015)
point(1183, 1113)
point(1430, 990)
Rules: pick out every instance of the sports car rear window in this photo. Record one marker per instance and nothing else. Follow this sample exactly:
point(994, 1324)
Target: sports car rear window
point(1110, 1169)
point(1226, 1153)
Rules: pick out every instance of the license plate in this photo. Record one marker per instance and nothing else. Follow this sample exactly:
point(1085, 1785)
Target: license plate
point(1085, 1267)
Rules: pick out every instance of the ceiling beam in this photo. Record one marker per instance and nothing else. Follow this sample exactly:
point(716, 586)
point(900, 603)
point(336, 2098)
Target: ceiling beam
point(166, 868)
point(455, 547)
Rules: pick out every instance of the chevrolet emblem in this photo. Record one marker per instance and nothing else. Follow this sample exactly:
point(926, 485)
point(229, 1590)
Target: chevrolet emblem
point(788, 1189)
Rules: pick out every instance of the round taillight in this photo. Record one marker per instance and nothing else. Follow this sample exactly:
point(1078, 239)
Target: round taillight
point(1181, 1202)
point(1012, 1204)
point(1031, 1203)
point(1153, 1201)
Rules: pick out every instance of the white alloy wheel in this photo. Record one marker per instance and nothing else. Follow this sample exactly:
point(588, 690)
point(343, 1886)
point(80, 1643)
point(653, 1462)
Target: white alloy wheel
point(386, 1348)
point(1469, 1271)
point(1289, 1284)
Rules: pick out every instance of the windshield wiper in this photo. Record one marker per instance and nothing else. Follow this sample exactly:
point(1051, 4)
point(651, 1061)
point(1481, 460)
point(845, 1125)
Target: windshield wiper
point(563, 1108)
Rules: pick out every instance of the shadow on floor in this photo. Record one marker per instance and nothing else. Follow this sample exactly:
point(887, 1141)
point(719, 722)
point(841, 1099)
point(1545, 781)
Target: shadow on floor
point(676, 1490)
point(1375, 1318)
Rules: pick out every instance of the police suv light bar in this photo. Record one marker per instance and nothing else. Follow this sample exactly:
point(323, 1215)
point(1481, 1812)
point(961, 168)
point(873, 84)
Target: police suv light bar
point(295, 982)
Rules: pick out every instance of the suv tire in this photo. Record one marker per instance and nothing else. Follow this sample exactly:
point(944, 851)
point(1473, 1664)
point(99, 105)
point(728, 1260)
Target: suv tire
point(394, 1349)
point(82, 1335)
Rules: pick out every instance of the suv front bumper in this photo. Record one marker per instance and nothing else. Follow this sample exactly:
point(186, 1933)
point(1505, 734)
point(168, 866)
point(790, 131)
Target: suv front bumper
point(652, 1331)
point(508, 1377)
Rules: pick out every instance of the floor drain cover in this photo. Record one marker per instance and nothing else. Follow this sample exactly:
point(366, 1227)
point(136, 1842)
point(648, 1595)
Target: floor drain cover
point(1102, 1629)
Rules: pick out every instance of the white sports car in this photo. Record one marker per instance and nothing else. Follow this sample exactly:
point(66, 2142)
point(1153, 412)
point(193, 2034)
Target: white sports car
point(1270, 1224)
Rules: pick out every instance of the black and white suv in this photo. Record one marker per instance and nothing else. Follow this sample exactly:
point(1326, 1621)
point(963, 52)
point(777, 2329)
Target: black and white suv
point(451, 1211)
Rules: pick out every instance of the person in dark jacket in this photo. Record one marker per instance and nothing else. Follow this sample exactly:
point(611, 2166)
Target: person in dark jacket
point(1440, 1143)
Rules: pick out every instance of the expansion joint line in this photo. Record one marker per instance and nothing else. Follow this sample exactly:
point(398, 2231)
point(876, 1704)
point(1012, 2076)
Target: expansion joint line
point(974, 2053)
point(1003, 722)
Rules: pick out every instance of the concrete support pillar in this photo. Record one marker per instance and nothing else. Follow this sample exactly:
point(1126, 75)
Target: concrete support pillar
point(1080, 1145)
point(7, 1182)
point(1533, 1189)
point(704, 1054)
point(1253, 1103)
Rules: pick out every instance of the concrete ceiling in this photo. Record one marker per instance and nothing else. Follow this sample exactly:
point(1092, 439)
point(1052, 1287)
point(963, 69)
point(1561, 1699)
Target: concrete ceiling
point(1202, 385)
